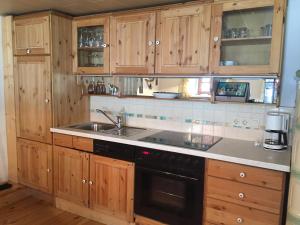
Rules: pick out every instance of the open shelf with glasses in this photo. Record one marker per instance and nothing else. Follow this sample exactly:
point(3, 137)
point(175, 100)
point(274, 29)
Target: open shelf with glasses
point(90, 45)
point(247, 37)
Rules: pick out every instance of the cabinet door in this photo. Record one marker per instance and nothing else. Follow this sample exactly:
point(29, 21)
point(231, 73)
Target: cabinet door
point(184, 35)
point(133, 43)
point(71, 174)
point(35, 165)
point(247, 37)
point(91, 45)
point(32, 35)
point(111, 187)
point(33, 98)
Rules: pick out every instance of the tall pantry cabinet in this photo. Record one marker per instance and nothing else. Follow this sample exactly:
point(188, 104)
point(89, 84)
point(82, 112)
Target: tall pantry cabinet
point(46, 93)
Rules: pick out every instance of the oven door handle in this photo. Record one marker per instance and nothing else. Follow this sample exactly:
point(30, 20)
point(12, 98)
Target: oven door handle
point(166, 173)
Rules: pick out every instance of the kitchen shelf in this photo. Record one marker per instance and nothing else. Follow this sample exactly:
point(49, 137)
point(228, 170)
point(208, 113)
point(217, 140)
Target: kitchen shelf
point(248, 39)
point(91, 49)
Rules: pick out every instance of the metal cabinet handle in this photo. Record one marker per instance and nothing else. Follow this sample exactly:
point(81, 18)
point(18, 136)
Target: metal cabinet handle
point(150, 43)
point(239, 220)
point(104, 45)
point(91, 182)
point(241, 195)
point(47, 100)
point(157, 42)
point(84, 181)
point(242, 175)
point(216, 39)
point(28, 51)
point(48, 170)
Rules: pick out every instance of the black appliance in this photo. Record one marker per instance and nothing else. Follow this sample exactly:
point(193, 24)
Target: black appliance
point(169, 187)
point(184, 140)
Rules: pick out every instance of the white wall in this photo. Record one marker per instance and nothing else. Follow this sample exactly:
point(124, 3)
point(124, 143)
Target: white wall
point(291, 61)
point(3, 146)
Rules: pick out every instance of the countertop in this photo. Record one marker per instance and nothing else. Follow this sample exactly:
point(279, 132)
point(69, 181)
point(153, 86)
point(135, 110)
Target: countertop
point(230, 150)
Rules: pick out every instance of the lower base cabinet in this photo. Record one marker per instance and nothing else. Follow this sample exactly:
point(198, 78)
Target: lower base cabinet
point(102, 184)
point(139, 220)
point(35, 165)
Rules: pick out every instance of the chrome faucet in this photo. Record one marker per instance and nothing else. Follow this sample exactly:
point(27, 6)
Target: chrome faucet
point(117, 123)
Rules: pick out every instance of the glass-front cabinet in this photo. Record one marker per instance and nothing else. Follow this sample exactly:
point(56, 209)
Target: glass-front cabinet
point(247, 37)
point(91, 45)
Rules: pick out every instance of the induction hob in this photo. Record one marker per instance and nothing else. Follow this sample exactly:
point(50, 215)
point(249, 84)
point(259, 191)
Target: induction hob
point(184, 140)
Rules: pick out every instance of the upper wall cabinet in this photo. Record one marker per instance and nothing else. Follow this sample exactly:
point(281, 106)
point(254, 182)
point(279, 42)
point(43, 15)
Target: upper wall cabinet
point(183, 37)
point(91, 45)
point(247, 37)
point(133, 43)
point(32, 35)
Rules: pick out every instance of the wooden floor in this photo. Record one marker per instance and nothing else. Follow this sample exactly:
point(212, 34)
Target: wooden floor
point(19, 207)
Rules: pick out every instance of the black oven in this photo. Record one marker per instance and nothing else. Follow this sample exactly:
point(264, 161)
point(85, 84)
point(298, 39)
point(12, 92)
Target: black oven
point(169, 187)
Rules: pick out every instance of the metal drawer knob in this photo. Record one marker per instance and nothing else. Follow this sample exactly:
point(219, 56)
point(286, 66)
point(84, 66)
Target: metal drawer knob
point(216, 39)
point(48, 170)
point(47, 100)
point(242, 175)
point(241, 195)
point(239, 220)
point(150, 43)
point(90, 182)
point(84, 181)
point(28, 51)
point(157, 42)
point(104, 45)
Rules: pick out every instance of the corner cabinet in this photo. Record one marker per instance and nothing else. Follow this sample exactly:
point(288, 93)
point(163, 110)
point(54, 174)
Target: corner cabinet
point(247, 37)
point(35, 165)
point(183, 36)
point(133, 43)
point(91, 45)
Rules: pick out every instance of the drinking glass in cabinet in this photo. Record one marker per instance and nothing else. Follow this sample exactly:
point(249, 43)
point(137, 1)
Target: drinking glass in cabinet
point(90, 46)
point(246, 37)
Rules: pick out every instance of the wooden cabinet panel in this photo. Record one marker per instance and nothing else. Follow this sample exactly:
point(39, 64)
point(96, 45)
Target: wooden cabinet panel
point(81, 143)
point(32, 35)
point(246, 174)
point(35, 165)
point(139, 220)
point(71, 175)
point(244, 194)
point(184, 35)
point(63, 140)
point(111, 189)
point(33, 98)
point(130, 49)
point(224, 213)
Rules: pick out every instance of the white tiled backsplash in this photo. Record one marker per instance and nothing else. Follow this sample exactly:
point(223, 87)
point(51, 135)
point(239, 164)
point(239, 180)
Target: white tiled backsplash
point(231, 120)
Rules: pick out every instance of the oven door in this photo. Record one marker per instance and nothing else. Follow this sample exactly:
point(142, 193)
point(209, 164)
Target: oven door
point(168, 198)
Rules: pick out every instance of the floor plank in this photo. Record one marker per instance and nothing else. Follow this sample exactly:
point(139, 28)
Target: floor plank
point(19, 207)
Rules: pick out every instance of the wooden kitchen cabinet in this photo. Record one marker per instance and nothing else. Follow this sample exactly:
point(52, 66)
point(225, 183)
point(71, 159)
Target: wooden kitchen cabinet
point(71, 175)
point(35, 165)
point(111, 187)
point(247, 37)
point(183, 36)
point(91, 45)
point(33, 98)
point(132, 43)
point(32, 36)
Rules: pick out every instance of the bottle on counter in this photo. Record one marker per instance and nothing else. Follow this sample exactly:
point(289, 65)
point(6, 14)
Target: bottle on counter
point(91, 88)
point(98, 88)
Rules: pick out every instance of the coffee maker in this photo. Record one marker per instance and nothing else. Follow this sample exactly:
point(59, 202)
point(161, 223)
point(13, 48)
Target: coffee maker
point(276, 130)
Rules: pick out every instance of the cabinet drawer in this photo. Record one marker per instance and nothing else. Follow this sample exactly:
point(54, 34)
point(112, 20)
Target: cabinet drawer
point(246, 174)
point(244, 194)
point(63, 140)
point(219, 212)
point(81, 143)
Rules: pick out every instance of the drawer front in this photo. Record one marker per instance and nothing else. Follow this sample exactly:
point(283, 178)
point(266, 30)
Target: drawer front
point(224, 213)
point(63, 140)
point(84, 144)
point(246, 174)
point(244, 194)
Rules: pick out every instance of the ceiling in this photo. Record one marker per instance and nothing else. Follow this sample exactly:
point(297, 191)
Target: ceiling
point(76, 7)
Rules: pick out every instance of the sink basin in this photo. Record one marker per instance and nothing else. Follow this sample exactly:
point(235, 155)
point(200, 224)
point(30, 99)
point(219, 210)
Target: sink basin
point(107, 129)
point(93, 126)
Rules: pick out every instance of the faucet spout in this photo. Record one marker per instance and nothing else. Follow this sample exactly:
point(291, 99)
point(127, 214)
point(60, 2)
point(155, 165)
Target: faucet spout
point(117, 123)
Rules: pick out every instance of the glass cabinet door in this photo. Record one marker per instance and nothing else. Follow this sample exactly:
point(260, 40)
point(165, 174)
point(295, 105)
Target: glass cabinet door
point(246, 39)
point(91, 46)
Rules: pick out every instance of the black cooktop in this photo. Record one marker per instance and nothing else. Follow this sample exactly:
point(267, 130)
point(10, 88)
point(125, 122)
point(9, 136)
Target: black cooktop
point(184, 140)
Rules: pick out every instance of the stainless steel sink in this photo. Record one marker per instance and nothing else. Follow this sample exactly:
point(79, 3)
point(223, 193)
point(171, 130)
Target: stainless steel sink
point(107, 129)
point(93, 126)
